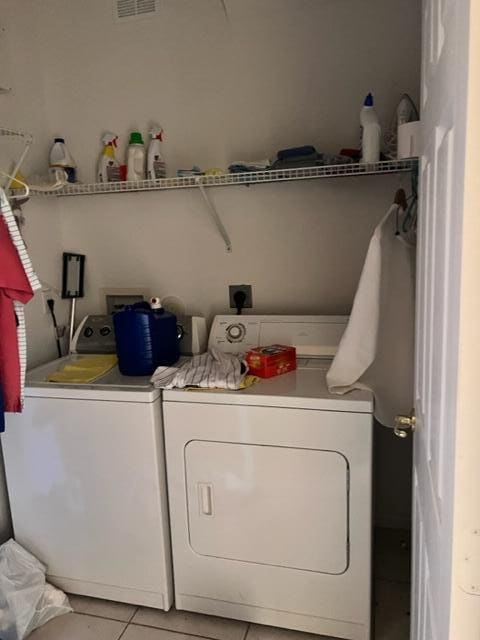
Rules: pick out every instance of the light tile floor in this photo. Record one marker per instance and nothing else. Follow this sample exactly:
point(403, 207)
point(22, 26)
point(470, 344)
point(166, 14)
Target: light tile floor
point(102, 620)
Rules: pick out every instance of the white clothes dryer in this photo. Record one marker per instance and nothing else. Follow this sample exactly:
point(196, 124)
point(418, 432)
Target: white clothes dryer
point(270, 488)
point(86, 480)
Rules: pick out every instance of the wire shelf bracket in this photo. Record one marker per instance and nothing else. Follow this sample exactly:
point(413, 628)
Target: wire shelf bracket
point(214, 215)
point(27, 141)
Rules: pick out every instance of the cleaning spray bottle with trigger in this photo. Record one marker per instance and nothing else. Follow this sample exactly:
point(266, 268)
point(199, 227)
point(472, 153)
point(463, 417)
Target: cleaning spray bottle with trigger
point(108, 165)
point(156, 167)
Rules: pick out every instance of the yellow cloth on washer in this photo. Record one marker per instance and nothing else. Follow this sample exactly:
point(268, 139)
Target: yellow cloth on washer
point(85, 369)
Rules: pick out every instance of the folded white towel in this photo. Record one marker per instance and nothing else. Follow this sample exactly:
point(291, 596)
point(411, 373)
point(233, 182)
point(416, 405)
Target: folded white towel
point(376, 350)
point(212, 370)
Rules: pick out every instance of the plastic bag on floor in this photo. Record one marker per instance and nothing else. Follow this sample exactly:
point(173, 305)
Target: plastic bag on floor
point(26, 600)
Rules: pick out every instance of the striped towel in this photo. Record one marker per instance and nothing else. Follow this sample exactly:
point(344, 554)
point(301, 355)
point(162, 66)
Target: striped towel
point(212, 370)
point(17, 241)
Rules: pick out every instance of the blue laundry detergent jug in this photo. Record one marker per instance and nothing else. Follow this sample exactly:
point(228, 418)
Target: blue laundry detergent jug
point(146, 337)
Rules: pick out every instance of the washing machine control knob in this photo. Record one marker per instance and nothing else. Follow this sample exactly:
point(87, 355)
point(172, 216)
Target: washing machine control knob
point(236, 332)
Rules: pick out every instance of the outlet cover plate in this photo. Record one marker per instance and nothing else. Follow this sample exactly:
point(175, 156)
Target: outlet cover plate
point(247, 290)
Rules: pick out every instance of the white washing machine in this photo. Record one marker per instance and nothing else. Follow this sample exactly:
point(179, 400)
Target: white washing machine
point(86, 479)
point(270, 489)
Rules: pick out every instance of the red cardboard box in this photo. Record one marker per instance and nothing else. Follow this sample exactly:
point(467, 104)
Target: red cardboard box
point(267, 362)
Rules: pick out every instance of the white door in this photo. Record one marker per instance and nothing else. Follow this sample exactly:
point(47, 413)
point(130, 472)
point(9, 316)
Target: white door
point(446, 548)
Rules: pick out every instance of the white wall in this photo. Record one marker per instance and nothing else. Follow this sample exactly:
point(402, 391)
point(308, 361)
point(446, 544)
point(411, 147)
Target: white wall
point(24, 109)
point(277, 73)
point(301, 246)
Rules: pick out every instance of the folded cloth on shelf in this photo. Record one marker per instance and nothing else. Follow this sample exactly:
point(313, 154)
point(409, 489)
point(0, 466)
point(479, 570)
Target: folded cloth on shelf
point(85, 369)
point(186, 173)
point(296, 152)
point(310, 160)
point(241, 166)
point(211, 370)
point(327, 159)
point(376, 349)
point(296, 163)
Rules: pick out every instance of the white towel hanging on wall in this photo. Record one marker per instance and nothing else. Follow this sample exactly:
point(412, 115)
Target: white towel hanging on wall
point(376, 350)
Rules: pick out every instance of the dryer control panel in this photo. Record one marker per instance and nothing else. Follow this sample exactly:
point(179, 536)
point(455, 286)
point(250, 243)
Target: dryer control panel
point(313, 336)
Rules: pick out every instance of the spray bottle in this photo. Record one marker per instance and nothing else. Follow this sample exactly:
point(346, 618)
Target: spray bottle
point(108, 165)
point(155, 162)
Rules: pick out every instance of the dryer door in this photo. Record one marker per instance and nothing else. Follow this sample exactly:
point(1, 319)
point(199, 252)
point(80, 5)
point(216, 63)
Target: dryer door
point(273, 505)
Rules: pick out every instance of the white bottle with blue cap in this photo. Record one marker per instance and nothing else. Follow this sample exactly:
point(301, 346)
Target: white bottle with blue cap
point(60, 157)
point(371, 132)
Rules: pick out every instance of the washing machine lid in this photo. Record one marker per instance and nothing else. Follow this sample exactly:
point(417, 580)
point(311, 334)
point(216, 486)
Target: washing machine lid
point(113, 385)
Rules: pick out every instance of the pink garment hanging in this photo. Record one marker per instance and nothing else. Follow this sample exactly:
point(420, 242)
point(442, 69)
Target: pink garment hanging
point(17, 240)
point(14, 287)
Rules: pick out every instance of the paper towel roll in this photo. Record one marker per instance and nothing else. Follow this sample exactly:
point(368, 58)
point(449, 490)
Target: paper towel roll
point(408, 140)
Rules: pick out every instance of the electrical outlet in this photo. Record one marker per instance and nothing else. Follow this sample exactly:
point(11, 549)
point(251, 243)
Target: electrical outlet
point(48, 291)
point(247, 290)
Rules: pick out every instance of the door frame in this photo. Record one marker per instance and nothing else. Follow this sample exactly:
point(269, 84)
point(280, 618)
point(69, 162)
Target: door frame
point(465, 588)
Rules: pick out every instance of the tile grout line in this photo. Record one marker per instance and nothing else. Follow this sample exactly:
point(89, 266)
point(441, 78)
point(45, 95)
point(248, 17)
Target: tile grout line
point(183, 633)
point(148, 626)
point(123, 632)
point(96, 615)
point(135, 611)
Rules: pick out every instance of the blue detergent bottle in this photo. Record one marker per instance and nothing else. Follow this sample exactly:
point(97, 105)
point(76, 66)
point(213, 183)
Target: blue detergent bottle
point(146, 337)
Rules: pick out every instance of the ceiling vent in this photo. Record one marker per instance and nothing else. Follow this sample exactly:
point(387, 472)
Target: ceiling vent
point(126, 10)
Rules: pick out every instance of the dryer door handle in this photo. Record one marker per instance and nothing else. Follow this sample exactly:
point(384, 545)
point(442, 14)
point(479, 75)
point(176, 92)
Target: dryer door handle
point(205, 498)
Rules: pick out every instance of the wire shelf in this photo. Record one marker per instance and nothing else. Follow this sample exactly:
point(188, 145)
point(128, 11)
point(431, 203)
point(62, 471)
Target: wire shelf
point(20, 134)
point(232, 179)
